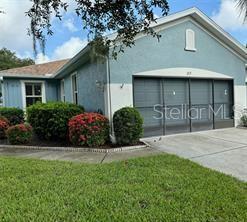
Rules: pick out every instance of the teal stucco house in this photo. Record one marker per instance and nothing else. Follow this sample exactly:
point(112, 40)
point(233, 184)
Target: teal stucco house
point(193, 79)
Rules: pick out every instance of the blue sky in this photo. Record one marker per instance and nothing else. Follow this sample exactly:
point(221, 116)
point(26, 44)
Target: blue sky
point(69, 38)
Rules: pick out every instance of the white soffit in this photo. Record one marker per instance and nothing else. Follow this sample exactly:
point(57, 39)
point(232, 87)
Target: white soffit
point(183, 73)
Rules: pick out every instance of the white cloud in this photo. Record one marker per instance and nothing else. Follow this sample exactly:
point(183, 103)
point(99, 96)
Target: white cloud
point(14, 24)
point(156, 16)
point(13, 32)
point(69, 24)
point(69, 48)
point(41, 58)
point(66, 50)
point(229, 16)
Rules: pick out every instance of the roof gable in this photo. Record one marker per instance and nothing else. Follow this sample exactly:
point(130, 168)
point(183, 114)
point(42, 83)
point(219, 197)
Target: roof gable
point(194, 14)
point(161, 23)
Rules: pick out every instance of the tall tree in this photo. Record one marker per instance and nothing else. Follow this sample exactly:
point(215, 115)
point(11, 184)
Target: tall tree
point(9, 60)
point(242, 5)
point(125, 17)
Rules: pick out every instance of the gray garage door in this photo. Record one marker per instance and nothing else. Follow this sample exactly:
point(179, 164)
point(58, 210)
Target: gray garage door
point(171, 106)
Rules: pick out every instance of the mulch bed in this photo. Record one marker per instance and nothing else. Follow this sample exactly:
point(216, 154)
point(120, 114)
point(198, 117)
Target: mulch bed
point(63, 143)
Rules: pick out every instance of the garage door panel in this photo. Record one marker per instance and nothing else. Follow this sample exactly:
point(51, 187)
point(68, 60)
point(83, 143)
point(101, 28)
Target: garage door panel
point(171, 106)
point(176, 92)
point(176, 101)
point(223, 97)
point(147, 92)
point(153, 121)
point(201, 91)
point(201, 105)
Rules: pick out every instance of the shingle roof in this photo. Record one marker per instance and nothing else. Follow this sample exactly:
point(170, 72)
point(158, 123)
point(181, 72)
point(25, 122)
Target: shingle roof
point(39, 70)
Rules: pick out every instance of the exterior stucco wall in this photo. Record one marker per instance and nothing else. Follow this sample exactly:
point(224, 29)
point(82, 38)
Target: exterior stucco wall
point(68, 89)
point(52, 90)
point(12, 94)
point(89, 95)
point(12, 91)
point(149, 54)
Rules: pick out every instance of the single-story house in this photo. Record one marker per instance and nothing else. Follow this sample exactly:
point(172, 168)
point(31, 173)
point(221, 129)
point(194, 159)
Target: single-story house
point(190, 80)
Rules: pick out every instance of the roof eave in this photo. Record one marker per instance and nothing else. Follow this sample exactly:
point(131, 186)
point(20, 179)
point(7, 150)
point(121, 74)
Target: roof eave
point(25, 76)
point(71, 61)
point(219, 32)
point(193, 12)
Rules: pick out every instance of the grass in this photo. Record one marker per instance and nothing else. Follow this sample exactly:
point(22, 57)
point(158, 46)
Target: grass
point(159, 188)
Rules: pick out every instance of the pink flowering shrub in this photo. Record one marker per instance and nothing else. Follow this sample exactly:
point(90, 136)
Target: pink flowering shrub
point(20, 134)
point(88, 129)
point(4, 125)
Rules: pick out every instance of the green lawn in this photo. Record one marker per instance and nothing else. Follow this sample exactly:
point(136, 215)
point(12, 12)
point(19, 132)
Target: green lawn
point(159, 188)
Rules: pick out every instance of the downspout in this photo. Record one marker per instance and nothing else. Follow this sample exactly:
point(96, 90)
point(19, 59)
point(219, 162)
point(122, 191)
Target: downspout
point(109, 103)
point(246, 86)
point(2, 88)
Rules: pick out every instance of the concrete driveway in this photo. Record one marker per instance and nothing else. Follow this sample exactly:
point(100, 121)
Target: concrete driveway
point(224, 150)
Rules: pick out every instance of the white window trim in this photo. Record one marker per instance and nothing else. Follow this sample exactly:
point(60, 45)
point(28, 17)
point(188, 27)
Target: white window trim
point(3, 93)
point(188, 45)
point(23, 89)
point(72, 90)
point(63, 98)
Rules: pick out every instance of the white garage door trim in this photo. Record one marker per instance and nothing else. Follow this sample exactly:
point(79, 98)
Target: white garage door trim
point(184, 73)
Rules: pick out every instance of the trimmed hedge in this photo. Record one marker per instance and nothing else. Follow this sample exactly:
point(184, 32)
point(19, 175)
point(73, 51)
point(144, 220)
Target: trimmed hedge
point(90, 129)
point(50, 120)
point(14, 115)
point(4, 125)
point(20, 134)
point(243, 120)
point(127, 126)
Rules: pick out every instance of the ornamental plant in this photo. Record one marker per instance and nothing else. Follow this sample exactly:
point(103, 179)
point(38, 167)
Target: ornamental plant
point(20, 134)
point(243, 120)
point(89, 129)
point(50, 120)
point(127, 126)
point(4, 125)
point(14, 115)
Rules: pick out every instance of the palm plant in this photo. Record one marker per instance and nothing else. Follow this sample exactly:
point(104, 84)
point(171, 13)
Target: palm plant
point(242, 5)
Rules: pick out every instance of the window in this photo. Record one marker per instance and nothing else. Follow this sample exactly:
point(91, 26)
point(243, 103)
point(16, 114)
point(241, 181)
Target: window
point(74, 88)
point(190, 40)
point(33, 93)
point(62, 91)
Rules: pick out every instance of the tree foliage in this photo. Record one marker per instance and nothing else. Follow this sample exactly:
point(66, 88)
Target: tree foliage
point(124, 17)
point(9, 60)
point(242, 5)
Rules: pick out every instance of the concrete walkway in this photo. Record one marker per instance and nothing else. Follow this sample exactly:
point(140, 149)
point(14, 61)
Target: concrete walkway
point(224, 150)
point(85, 157)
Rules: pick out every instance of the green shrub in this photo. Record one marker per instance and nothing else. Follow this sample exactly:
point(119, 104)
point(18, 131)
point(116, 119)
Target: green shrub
point(90, 129)
point(50, 120)
point(20, 134)
point(14, 115)
point(4, 125)
point(127, 126)
point(243, 120)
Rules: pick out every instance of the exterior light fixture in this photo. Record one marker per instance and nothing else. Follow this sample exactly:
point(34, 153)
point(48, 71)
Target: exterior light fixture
point(100, 85)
